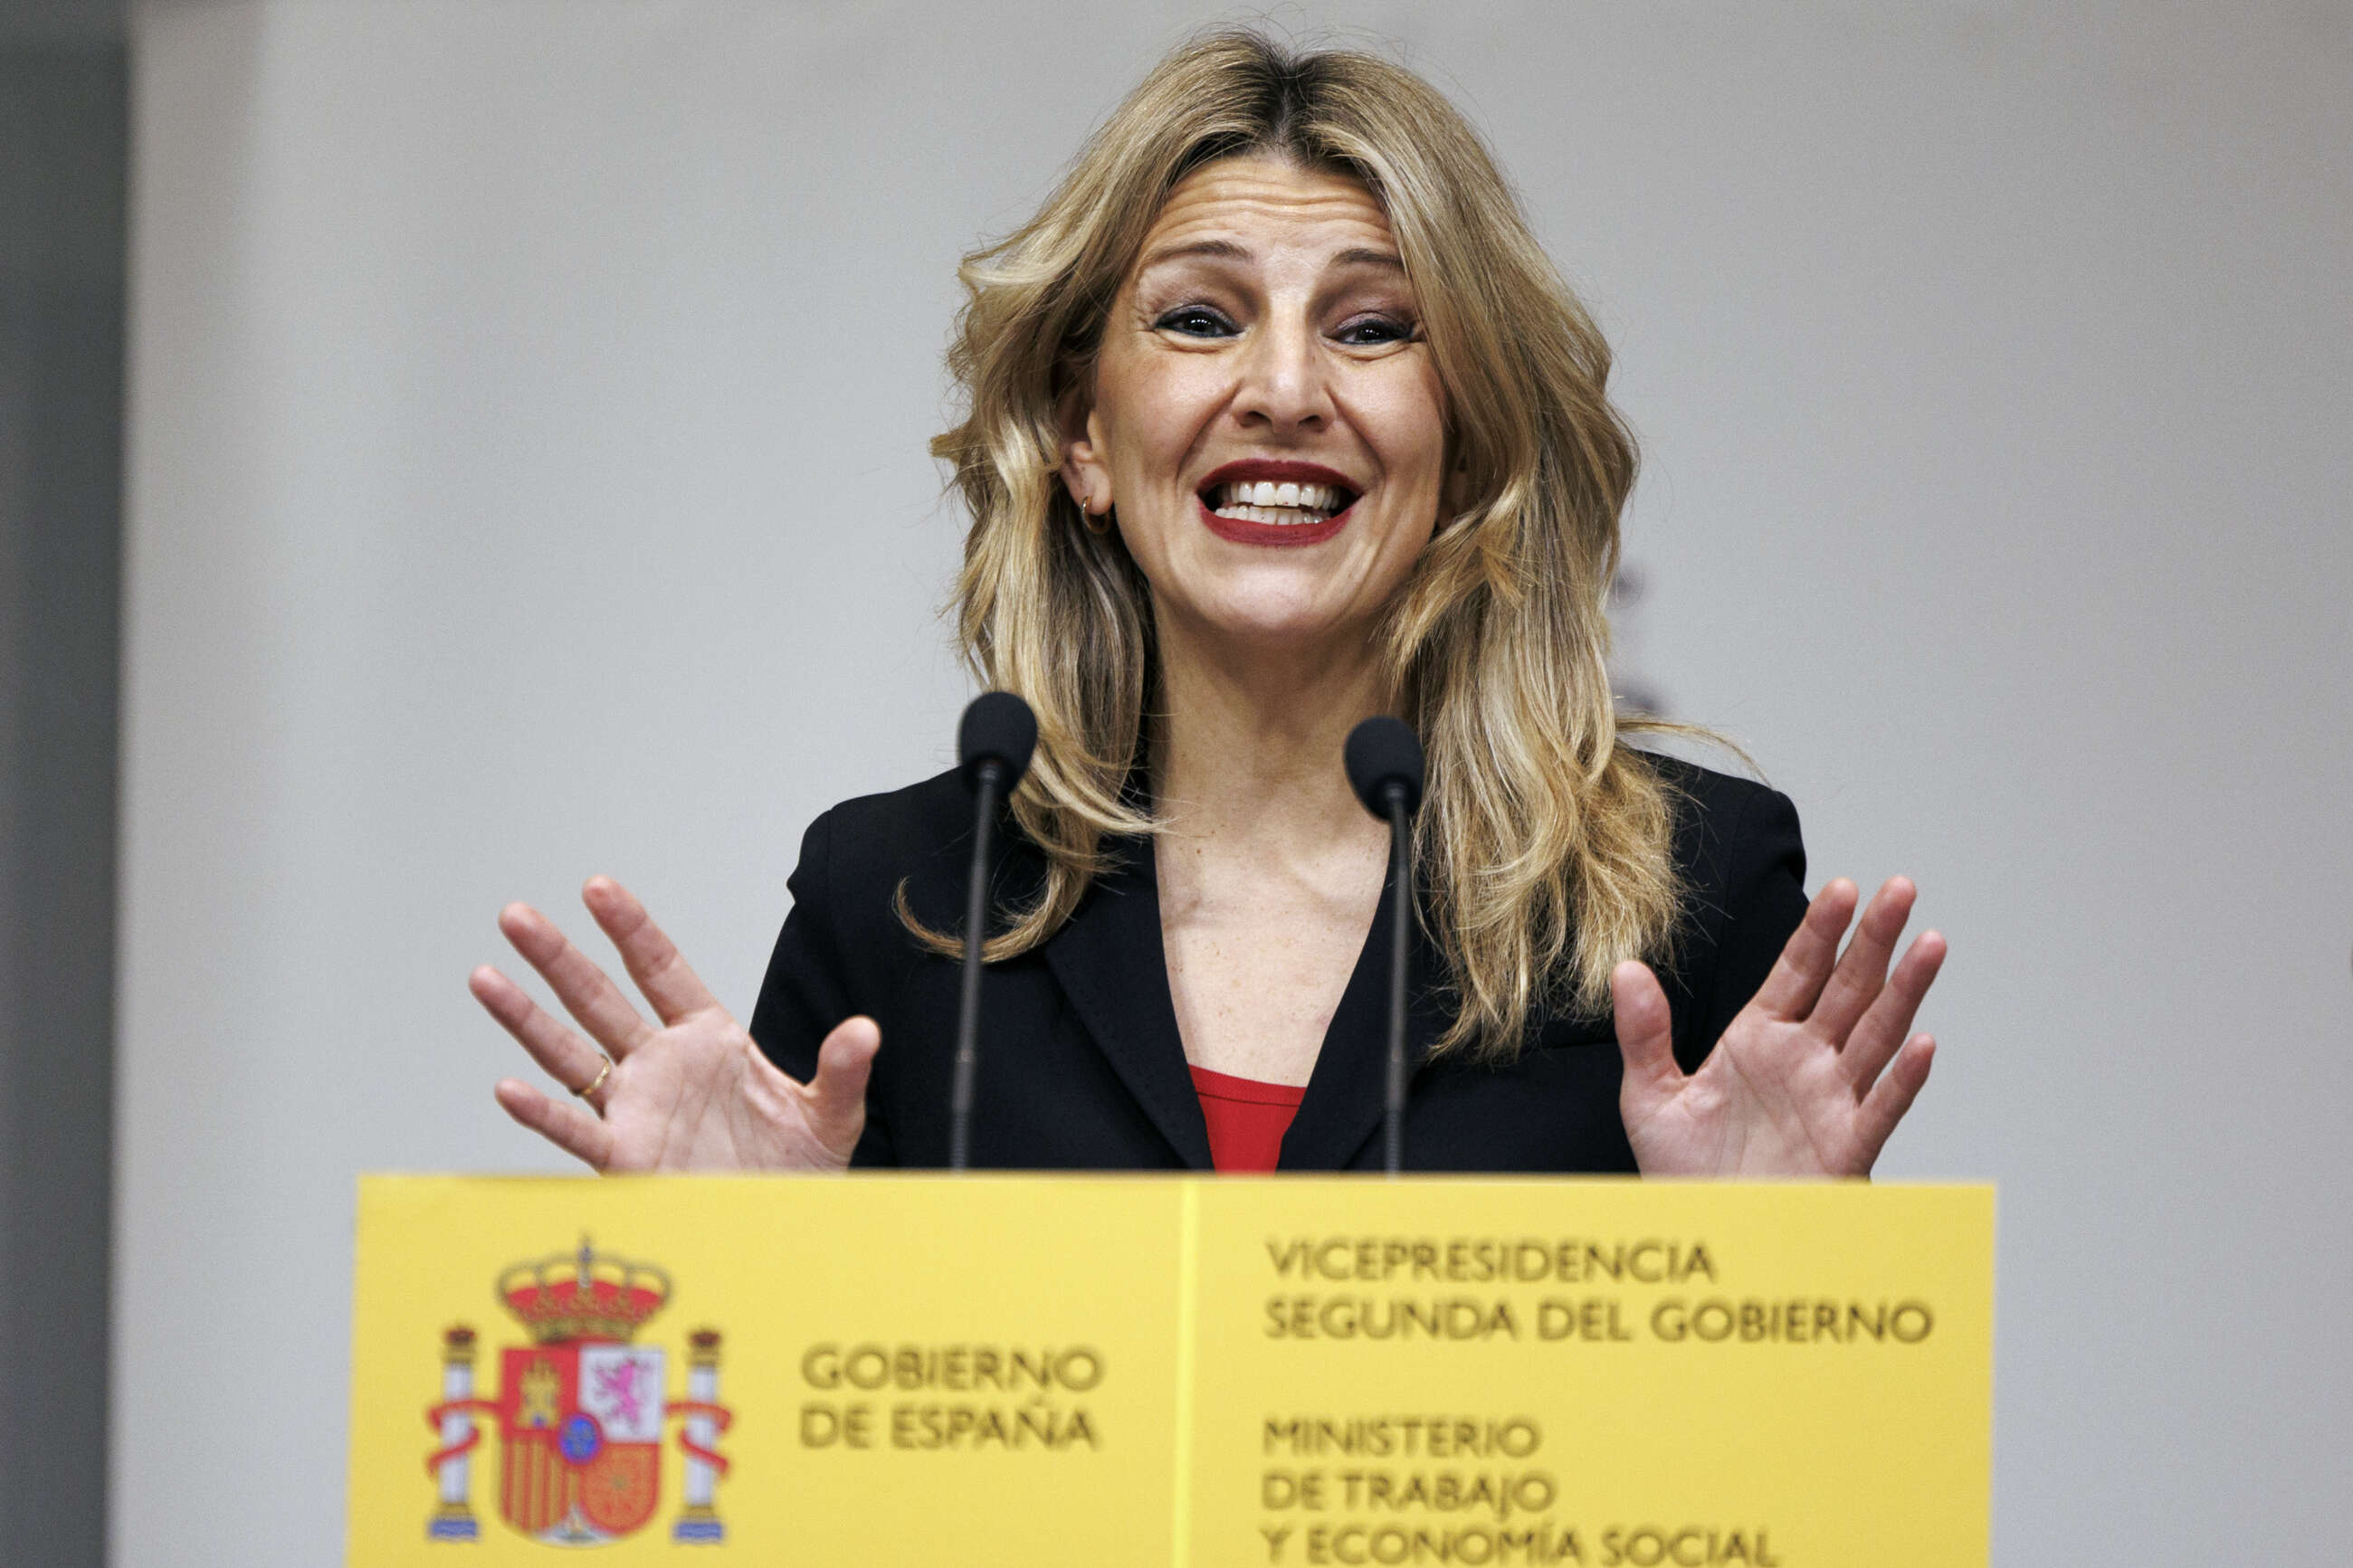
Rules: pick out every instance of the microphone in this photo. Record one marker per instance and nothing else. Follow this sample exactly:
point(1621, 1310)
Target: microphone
point(993, 747)
point(1384, 761)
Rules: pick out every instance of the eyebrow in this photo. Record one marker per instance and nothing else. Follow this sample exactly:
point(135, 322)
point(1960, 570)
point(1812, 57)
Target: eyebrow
point(1226, 249)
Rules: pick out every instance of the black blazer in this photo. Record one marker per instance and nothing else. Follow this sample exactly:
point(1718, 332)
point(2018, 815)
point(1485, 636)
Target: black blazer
point(1080, 1064)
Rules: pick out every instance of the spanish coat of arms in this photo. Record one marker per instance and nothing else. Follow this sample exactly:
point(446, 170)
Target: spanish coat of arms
point(580, 1410)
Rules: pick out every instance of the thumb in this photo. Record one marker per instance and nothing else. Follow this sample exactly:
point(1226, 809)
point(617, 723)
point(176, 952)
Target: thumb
point(837, 1092)
point(1645, 1037)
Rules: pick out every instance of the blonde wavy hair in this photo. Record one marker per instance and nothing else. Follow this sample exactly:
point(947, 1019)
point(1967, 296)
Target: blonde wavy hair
point(1543, 843)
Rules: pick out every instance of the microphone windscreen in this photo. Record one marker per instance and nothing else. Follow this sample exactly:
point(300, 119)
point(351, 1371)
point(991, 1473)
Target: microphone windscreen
point(997, 727)
point(1381, 751)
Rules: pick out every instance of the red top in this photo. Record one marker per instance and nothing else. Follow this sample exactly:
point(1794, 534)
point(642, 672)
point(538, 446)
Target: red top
point(1247, 1119)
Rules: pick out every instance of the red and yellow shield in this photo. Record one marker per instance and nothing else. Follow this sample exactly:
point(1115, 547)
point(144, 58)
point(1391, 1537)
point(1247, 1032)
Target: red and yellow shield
point(581, 1410)
point(581, 1423)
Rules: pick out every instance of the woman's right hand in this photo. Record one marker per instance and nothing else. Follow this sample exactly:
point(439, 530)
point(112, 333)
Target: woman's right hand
point(695, 1094)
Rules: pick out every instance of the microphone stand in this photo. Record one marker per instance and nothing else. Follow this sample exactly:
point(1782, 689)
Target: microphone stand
point(1384, 760)
point(1401, 912)
point(994, 744)
point(989, 782)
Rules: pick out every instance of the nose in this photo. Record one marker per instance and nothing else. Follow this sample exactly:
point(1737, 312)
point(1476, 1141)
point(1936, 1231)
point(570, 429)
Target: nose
point(1283, 388)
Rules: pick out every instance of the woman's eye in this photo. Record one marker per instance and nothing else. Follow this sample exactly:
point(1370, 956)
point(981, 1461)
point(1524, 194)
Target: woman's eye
point(1194, 321)
point(1371, 330)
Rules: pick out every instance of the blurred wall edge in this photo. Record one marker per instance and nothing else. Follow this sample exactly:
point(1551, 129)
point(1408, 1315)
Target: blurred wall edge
point(62, 151)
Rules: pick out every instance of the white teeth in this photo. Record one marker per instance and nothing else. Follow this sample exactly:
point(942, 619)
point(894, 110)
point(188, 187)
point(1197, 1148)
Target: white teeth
point(1281, 516)
point(1247, 494)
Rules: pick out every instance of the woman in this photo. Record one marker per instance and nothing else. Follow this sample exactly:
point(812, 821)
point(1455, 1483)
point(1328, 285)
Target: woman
point(1277, 417)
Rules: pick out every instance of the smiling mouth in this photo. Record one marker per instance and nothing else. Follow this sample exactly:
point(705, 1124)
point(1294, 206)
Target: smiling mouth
point(1282, 504)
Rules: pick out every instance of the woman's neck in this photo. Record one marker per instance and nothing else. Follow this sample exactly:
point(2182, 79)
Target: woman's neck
point(1246, 749)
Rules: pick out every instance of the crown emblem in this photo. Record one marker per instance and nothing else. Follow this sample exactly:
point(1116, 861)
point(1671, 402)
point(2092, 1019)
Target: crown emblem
point(583, 1295)
point(579, 1415)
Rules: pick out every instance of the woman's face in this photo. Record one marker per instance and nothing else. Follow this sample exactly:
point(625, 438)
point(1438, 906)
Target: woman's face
point(1264, 414)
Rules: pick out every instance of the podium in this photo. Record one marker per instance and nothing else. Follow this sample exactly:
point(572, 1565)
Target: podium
point(1181, 1371)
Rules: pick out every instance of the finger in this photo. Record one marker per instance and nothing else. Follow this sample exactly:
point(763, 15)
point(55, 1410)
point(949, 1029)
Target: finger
point(1883, 1028)
point(1645, 1037)
point(559, 1121)
point(650, 957)
point(1892, 1096)
point(837, 1092)
point(1796, 977)
point(582, 988)
point(560, 1054)
point(1861, 971)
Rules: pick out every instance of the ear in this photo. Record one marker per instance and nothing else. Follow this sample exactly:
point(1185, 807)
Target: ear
point(1085, 466)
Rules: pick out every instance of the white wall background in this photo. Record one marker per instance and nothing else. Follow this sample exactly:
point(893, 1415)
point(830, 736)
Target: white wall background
point(527, 480)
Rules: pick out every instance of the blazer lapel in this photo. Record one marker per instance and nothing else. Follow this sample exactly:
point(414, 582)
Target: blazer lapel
point(1110, 962)
point(1343, 1107)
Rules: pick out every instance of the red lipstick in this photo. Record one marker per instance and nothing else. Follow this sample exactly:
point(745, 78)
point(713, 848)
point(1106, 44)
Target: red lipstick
point(1242, 531)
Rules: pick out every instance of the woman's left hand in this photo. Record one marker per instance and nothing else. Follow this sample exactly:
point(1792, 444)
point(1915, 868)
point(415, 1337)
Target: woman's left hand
point(1815, 1072)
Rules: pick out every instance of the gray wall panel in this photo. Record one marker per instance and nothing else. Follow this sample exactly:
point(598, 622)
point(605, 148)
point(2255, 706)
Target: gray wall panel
point(62, 149)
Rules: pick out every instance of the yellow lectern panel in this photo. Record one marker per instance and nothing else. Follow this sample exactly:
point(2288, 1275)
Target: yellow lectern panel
point(1174, 1372)
point(911, 1369)
point(1611, 1373)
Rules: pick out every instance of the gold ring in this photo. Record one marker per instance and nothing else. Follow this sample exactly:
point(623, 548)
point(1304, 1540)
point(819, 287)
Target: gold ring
point(595, 1083)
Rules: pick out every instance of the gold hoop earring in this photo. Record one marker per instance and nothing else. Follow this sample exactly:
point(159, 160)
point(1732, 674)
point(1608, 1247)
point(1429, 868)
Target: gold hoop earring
point(1097, 523)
